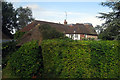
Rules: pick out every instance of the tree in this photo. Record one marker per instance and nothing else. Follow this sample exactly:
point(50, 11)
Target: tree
point(49, 32)
point(14, 19)
point(24, 16)
point(99, 29)
point(112, 24)
point(8, 18)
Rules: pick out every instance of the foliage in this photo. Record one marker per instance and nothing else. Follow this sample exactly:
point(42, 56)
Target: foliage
point(7, 49)
point(26, 62)
point(104, 59)
point(88, 38)
point(18, 35)
point(8, 73)
point(65, 61)
point(49, 32)
point(111, 26)
point(8, 18)
point(80, 59)
point(14, 19)
point(24, 16)
point(99, 29)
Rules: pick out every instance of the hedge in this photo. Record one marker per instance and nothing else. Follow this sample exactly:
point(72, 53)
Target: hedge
point(27, 61)
point(7, 49)
point(80, 59)
point(105, 58)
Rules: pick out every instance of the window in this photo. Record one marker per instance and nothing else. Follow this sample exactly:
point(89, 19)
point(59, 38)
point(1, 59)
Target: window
point(85, 35)
point(72, 36)
point(76, 35)
point(69, 35)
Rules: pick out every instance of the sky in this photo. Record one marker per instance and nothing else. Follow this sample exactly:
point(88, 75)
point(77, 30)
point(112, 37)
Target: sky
point(77, 12)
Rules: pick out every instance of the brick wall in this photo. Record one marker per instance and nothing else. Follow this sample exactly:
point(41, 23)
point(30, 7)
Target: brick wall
point(91, 36)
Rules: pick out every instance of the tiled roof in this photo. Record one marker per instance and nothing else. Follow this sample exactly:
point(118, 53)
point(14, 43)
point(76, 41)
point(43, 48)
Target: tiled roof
point(33, 32)
point(29, 27)
point(70, 29)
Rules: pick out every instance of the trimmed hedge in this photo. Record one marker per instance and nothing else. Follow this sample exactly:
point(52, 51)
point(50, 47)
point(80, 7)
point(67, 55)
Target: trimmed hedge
point(105, 59)
point(27, 61)
point(80, 59)
point(7, 49)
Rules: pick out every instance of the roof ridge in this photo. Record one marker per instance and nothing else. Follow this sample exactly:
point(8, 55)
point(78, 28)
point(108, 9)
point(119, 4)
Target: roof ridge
point(46, 21)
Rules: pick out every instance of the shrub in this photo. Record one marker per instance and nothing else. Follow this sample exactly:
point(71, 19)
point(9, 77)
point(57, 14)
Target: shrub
point(7, 49)
point(104, 58)
point(91, 38)
point(80, 59)
point(88, 39)
point(65, 59)
point(18, 35)
point(49, 32)
point(85, 39)
point(26, 62)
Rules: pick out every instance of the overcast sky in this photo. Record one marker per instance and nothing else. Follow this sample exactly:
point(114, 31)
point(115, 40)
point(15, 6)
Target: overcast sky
point(77, 12)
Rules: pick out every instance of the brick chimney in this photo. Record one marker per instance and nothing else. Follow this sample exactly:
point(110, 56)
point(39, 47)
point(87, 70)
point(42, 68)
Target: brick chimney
point(65, 22)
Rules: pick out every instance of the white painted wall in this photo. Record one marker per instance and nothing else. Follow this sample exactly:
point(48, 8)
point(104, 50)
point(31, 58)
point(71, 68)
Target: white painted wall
point(67, 35)
point(77, 38)
point(73, 37)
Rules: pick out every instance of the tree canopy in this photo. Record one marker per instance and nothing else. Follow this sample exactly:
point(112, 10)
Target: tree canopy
point(24, 16)
point(8, 18)
point(14, 19)
point(99, 29)
point(112, 21)
point(49, 32)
